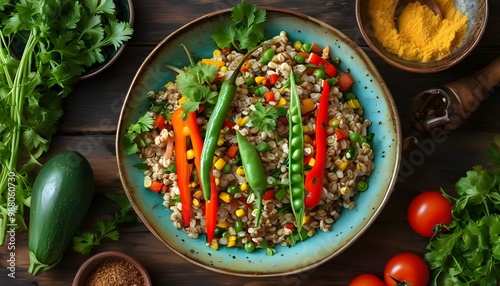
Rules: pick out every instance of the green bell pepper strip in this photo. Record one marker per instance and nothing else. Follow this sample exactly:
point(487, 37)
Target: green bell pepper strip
point(254, 171)
point(296, 155)
point(215, 123)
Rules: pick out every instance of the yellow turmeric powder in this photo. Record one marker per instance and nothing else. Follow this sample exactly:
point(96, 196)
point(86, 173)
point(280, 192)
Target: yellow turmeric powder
point(420, 35)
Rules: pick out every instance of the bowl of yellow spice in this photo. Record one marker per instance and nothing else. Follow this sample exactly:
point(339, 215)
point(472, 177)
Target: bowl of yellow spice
point(412, 37)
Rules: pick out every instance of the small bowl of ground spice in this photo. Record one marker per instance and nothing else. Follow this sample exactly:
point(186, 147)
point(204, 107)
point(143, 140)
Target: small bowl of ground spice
point(111, 268)
point(419, 40)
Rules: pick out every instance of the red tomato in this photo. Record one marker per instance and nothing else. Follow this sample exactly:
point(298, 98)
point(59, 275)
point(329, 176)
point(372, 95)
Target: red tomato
point(367, 280)
point(345, 81)
point(406, 267)
point(428, 211)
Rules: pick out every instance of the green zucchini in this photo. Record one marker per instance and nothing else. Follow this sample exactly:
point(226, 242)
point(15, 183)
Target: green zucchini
point(61, 196)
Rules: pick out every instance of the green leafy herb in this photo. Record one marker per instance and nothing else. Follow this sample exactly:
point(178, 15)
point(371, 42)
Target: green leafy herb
point(270, 251)
point(469, 253)
point(246, 29)
point(264, 118)
point(194, 84)
point(84, 241)
point(133, 138)
point(54, 42)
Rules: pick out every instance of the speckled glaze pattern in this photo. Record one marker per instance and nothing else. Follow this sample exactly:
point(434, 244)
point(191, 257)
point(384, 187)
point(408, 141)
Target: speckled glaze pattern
point(370, 89)
point(477, 14)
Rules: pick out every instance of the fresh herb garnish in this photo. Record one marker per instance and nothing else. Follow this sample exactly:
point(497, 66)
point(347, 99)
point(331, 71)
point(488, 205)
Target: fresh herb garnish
point(134, 131)
point(270, 251)
point(246, 29)
point(194, 84)
point(469, 253)
point(84, 241)
point(264, 118)
point(54, 43)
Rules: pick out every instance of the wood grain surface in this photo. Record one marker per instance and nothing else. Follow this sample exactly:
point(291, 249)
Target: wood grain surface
point(91, 116)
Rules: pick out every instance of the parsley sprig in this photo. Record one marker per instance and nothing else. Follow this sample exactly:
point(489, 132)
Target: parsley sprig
point(84, 241)
point(54, 42)
point(133, 139)
point(264, 118)
point(469, 253)
point(246, 29)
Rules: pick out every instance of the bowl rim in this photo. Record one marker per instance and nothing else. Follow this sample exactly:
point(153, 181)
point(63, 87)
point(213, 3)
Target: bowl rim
point(426, 69)
point(91, 264)
point(363, 56)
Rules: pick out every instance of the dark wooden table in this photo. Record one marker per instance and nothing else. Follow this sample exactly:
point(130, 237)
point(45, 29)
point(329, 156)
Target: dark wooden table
point(91, 116)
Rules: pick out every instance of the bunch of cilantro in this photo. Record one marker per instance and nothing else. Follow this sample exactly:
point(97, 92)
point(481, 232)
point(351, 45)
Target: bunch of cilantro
point(469, 253)
point(44, 47)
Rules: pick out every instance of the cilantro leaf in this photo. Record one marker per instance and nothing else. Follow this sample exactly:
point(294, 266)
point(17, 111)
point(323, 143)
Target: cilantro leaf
point(263, 118)
point(246, 29)
point(132, 136)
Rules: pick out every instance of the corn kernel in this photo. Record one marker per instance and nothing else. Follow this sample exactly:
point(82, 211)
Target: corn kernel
point(196, 202)
point(222, 224)
point(231, 243)
point(214, 245)
point(215, 159)
point(182, 99)
point(342, 165)
point(297, 45)
point(198, 194)
point(185, 131)
point(231, 238)
point(223, 69)
point(354, 103)
point(307, 105)
point(306, 219)
point(217, 53)
point(244, 187)
point(307, 138)
point(282, 102)
point(193, 185)
point(311, 162)
point(219, 164)
point(305, 128)
point(225, 197)
point(240, 171)
point(344, 190)
point(190, 154)
point(334, 122)
point(260, 80)
point(217, 181)
point(168, 84)
point(220, 142)
point(240, 212)
point(242, 121)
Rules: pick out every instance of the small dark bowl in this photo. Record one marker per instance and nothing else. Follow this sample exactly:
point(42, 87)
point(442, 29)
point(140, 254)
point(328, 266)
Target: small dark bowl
point(91, 264)
point(477, 13)
point(125, 13)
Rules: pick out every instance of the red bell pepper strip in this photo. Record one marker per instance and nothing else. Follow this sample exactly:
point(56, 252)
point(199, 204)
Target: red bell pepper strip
point(181, 162)
point(212, 204)
point(314, 179)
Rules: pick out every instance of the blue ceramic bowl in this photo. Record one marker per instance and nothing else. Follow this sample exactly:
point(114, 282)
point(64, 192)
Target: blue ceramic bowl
point(370, 89)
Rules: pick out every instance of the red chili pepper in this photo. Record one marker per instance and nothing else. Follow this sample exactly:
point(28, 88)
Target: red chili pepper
point(316, 59)
point(314, 179)
point(212, 204)
point(273, 78)
point(181, 163)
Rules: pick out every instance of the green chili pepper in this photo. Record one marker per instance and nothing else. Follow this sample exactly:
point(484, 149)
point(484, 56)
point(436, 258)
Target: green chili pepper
point(214, 125)
point(296, 155)
point(254, 171)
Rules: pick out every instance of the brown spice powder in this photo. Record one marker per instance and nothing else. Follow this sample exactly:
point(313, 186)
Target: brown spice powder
point(115, 273)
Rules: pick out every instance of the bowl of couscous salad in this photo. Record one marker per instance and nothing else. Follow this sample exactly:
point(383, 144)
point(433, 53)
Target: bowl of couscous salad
point(258, 157)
